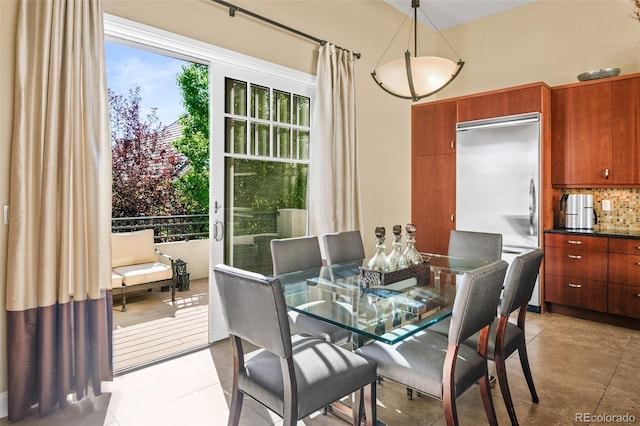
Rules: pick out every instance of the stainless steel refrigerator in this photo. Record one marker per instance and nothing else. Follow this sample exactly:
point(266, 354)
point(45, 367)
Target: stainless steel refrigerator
point(497, 181)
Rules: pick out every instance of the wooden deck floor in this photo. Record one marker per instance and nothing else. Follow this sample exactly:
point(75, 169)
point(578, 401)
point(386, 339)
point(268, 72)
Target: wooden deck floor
point(154, 328)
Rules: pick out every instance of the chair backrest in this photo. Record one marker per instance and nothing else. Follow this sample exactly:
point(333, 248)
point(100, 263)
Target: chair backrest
point(475, 245)
point(295, 254)
point(340, 247)
point(520, 281)
point(254, 309)
point(477, 298)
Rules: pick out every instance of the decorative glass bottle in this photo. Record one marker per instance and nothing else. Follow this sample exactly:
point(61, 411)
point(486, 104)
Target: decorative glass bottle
point(410, 253)
point(396, 259)
point(379, 261)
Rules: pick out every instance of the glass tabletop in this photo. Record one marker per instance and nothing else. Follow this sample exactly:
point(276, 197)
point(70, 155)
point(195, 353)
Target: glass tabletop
point(390, 313)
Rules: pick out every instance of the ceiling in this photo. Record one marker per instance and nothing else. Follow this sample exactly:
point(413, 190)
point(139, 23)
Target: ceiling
point(449, 13)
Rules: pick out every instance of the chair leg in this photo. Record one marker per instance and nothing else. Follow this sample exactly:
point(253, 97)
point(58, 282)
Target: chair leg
point(485, 390)
point(358, 407)
point(124, 300)
point(501, 370)
point(236, 407)
point(370, 407)
point(524, 361)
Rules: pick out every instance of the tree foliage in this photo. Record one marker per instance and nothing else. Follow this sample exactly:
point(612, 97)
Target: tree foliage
point(193, 187)
point(144, 165)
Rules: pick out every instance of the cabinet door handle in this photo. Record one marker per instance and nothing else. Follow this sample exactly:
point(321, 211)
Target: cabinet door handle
point(453, 217)
point(638, 263)
point(638, 295)
point(573, 256)
point(606, 173)
point(453, 144)
point(572, 285)
point(578, 242)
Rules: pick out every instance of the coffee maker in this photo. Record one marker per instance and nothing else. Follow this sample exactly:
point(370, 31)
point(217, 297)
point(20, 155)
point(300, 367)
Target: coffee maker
point(578, 214)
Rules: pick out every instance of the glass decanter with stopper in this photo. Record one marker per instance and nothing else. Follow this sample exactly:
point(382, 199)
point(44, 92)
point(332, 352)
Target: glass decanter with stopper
point(396, 259)
point(379, 261)
point(410, 253)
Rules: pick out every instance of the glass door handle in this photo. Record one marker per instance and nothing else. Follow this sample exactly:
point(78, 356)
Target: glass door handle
point(218, 230)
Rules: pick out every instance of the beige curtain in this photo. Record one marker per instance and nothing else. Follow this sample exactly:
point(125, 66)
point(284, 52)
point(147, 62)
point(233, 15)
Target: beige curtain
point(334, 187)
point(58, 264)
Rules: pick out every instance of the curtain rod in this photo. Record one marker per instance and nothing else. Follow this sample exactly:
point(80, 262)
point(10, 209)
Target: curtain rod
point(233, 9)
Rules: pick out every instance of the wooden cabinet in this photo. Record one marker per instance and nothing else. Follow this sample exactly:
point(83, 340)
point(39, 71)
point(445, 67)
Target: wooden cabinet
point(625, 98)
point(433, 128)
point(624, 277)
point(433, 174)
point(595, 133)
point(433, 204)
point(600, 276)
point(511, 101)
point(576, 271)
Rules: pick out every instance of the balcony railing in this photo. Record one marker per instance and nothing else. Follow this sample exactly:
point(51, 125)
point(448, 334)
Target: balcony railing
point(166, 228)
point(196, 226)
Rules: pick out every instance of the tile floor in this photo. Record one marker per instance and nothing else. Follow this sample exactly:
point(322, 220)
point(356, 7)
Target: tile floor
point(578, 367)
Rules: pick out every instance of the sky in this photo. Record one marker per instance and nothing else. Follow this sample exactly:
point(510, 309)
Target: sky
point(155, 74)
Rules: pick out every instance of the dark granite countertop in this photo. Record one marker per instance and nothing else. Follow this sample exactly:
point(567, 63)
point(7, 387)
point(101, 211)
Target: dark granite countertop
point(600, 232)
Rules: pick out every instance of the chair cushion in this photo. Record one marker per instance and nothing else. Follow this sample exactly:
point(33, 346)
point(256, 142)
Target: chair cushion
point(144, 273)
point(514, 337)
point(418, 362)
point(317, 364)
point(116, 280)
point(130, 248)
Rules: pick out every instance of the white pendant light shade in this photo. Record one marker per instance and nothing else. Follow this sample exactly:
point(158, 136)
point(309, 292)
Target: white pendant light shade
point(428, 74)
point(419, 76)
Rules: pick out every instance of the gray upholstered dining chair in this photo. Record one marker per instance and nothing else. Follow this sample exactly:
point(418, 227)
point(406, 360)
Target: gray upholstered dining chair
point(441, 366)
point(475, 245)
point(292, 376)
point(340, 247)
point(297, 254)
point(505, 337)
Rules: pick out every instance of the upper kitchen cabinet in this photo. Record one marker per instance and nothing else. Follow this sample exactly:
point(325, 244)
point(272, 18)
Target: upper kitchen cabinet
point(595, 134)
point(511, 101)
point(625, 115)
point(433, 128)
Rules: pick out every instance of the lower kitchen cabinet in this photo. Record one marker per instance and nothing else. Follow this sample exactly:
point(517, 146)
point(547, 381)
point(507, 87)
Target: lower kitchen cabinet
point(624, 277)
point(593, 277)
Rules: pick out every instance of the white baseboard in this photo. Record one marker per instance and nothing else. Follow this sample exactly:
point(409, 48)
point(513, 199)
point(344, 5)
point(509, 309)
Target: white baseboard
point(4, 404)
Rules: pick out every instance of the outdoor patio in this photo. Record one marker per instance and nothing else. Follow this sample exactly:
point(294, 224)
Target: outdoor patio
point(154, 328)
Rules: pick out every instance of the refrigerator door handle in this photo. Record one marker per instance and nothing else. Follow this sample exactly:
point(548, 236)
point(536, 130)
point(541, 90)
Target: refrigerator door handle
point(532, 206)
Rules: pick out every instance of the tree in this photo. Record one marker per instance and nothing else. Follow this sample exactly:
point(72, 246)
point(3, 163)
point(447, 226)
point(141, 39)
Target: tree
point(144, 165)
point(193, 187)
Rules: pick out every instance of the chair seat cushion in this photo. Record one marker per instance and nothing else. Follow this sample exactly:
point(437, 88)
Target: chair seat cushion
point(144, 273)
point(513, 337)
point(116, 280)
point(418, 363)
point(317, 363)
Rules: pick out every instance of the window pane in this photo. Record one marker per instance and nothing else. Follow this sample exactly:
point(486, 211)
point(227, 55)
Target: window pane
point(281, 107)
point(269, 200)
point(282, 140)
point(260, 102)
point(301, 110)
point(236, 102)
point(260, 139)
point(301, 144)
point(236, 137)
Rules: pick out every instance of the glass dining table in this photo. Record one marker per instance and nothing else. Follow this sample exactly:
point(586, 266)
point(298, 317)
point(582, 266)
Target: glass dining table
point(389, 313)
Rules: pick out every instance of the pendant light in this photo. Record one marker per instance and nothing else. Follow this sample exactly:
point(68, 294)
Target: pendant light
point(419, 76)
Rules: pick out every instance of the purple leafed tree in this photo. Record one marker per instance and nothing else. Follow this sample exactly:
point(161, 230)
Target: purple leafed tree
point(145, 164)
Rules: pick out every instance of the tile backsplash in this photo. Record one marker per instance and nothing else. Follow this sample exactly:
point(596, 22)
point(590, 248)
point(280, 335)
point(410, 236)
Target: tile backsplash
point(625, 206)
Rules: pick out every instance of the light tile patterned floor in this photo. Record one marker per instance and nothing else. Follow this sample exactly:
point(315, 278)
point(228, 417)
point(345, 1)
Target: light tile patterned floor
point(578, 367)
